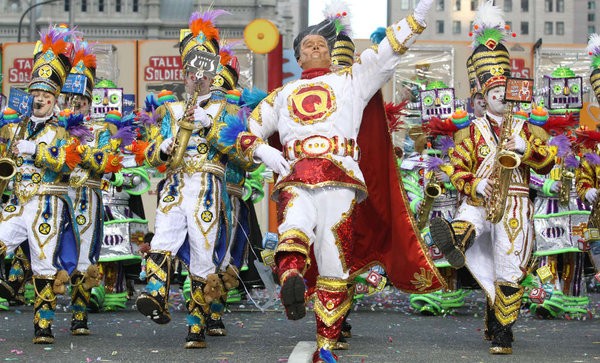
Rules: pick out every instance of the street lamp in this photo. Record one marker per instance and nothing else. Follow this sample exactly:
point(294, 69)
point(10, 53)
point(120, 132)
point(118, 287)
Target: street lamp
point(29, 9)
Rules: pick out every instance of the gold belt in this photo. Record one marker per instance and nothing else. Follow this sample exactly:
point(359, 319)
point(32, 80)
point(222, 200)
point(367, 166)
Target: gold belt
point(318, 145)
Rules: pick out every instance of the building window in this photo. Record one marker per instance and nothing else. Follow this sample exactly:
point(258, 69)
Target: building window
point(100, 5)
point(524, 6)
point(473, 5)
point(83, 6)
point(507, 5)
point(524, 27)
point(560, 6)
point(439, 26)
point(456, 27)
point(439, 6)
point(560, 28)
point(457, 5)
point(67, 5)
point(548, 6)
point(135, 6)
point(471, 25)
point(591, 29)
point(591, 5)
point(118, 6)
point(591, 17)
point(404, 4)
point(548, 28)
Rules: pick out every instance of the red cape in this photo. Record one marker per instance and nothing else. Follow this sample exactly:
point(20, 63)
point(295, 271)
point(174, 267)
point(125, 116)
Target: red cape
point(385, 230)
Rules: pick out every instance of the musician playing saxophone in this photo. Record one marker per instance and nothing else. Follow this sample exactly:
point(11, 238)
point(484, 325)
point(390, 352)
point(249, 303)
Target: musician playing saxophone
point(190, 218)
point(496, 254)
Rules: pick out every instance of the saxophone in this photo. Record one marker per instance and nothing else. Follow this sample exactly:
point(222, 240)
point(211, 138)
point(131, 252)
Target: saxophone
point(504, 164)
point(8, 164)
point(432, 191)
point(591, 232)
point(184, 132)
point(566, 183)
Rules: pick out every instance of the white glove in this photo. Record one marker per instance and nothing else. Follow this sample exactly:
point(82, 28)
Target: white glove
point(421, 10)
point(519, 144)
point(166, 147)
point(591, 195)
point(480, 189)
point(272, 158)
point(202, 117)
point(555, 187)
point(25, 147)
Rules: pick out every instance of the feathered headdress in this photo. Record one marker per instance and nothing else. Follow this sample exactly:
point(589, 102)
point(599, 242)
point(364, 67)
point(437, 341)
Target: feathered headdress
point(593, 49)
point(84, 62)
point(52, 60)
point(202, 35)
point(490, 57)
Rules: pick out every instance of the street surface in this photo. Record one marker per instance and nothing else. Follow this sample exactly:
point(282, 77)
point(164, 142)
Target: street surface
point(384, 330)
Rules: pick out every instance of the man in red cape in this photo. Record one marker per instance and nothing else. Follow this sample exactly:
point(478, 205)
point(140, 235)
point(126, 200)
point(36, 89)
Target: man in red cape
point(322, 189)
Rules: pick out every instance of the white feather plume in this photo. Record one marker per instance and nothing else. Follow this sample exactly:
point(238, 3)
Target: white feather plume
point(489, 16)
point(593, 46)
point(335, 9)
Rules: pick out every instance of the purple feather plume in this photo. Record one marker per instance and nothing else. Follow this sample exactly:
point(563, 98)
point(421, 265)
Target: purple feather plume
point(446, 143)
point(592, 158)
point(434, 163)
point(571, 162)
point(562, 143)
point(209, 15)
point(80, 131)
point(149, 119)
point(126, 134)
point(56, 33)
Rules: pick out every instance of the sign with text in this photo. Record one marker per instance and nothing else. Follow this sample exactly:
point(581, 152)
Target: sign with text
point(20, 71)
point(518, 69)
point(20, 101)
point(163, 69)
point(519, 90)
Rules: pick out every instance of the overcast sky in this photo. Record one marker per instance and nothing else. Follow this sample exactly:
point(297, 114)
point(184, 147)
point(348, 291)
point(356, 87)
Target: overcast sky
point(366, 15)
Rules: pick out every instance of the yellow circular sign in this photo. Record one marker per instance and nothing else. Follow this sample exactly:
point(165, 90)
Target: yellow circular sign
point(261, 36)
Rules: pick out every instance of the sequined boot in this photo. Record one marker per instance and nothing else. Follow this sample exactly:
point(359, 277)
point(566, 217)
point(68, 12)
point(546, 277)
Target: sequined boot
point(154, 302)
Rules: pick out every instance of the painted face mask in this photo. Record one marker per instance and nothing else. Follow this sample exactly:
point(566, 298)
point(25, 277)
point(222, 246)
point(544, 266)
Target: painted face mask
point(563, 92)
point(106, 99)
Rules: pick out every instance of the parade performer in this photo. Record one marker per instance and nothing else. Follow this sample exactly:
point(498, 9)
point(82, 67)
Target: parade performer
point(494, 240)
point(587, 181)
point(438, 197)
point(99, 149)
point(40, 209)
point(559, 215)
point(191, 199)
point(124, 222)
point(320, 184)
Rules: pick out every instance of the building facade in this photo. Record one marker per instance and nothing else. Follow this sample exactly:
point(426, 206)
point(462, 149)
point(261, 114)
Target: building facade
point(134, 19)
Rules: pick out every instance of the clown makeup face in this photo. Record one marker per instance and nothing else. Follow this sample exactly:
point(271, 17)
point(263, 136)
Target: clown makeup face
point(314, 52)
point(80, 104)
point(478, 103)
point(495, 101)
point(43, 103)
point(193, 83)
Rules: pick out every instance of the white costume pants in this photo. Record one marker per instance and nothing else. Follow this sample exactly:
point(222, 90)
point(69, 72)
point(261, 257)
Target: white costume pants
point(317, 212)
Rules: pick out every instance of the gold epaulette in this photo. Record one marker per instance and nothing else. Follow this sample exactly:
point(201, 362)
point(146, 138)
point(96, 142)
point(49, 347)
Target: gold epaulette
point(538, 132)
point(461, 134)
